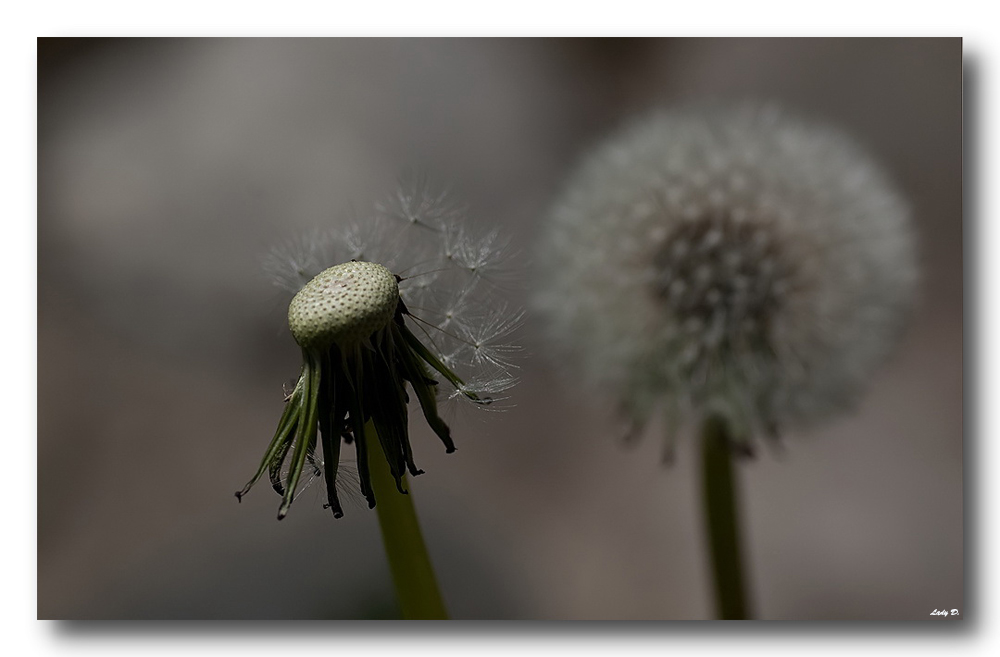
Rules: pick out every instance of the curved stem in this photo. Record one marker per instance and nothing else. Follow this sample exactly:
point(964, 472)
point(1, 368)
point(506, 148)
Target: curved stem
point(722, 521)
point(409, 562)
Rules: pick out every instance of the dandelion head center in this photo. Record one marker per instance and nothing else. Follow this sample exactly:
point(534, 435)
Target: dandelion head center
point(343, 305)
point(721, 277)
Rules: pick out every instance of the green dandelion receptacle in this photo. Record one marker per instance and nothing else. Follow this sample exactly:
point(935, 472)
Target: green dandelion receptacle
point(344, 304)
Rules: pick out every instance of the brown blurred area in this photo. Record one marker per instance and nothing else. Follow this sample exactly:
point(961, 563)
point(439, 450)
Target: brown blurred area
point(168, 167)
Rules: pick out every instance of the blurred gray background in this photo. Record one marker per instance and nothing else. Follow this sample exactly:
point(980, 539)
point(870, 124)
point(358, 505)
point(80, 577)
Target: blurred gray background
point(166, 170)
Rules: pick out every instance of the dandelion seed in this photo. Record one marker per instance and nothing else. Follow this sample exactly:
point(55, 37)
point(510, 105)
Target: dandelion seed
point(296, 262)
point(487, 340)
point(485, 256)
point(415, 201)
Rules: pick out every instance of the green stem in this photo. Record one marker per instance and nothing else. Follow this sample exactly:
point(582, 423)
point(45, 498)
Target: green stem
point(722, 522)
point(409, 562)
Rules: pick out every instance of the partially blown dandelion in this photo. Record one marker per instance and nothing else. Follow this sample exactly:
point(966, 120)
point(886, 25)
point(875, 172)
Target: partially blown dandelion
point(729, 262)
point(360, 354)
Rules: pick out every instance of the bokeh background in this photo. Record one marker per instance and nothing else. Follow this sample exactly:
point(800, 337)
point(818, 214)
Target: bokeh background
point(168, 167)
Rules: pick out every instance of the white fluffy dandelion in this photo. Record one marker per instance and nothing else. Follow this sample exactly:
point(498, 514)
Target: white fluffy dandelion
point(728, 262)
point(392, 303)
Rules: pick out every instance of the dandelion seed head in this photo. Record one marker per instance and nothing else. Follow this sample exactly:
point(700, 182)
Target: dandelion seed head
point(452, 276)
point(728, 260)
point(386, 310)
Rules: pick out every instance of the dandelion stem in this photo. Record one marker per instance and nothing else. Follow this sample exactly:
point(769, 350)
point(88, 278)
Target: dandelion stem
point(409, 562)
point(722, 521)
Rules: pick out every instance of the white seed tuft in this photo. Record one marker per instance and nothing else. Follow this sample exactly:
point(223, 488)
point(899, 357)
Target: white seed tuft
point(782, 272)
